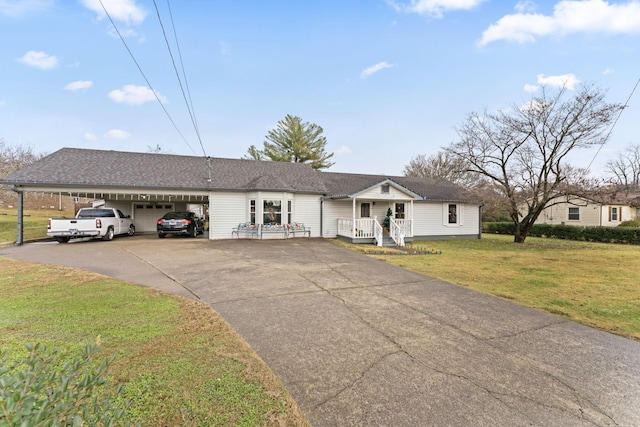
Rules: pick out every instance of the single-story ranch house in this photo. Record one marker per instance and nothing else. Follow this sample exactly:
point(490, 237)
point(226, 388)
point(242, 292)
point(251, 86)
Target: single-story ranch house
point(272, 195)
point(605, 210)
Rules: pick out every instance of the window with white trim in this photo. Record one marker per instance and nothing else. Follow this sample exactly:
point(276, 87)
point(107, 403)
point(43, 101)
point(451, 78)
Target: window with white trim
point(252, 211)
point(272, 212)
point(574, 214)
point(613, 213)
point(452, 214)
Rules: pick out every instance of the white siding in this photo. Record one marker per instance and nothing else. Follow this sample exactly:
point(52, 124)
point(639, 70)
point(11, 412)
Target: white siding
point(429, 220)
point(306, 209)
point(334, 209)
point(226, 211)
point(376, 194)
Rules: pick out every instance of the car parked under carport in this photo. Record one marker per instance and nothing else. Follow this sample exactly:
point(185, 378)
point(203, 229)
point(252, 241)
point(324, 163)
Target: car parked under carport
point(180, 223)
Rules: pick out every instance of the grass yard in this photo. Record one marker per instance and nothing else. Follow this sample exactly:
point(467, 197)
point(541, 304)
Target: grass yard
point(34, 223)
point(178, 362)
point(591, 283)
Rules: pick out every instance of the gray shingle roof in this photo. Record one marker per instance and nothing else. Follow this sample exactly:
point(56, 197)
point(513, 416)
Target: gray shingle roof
point(86, 168)
point(101, 168)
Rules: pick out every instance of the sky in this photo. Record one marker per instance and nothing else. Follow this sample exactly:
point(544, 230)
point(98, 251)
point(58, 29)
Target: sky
point(387, 80)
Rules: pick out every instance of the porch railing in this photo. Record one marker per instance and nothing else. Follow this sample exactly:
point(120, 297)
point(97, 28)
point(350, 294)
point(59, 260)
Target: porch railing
point(396, 231)
point(358, 227)
point(370, 228)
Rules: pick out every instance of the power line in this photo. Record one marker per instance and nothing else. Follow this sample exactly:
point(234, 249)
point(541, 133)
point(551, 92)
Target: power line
point(173, 62)
point(145, 77)
point(613, 125)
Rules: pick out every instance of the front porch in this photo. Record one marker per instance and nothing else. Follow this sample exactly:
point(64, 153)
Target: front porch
point(370, 231)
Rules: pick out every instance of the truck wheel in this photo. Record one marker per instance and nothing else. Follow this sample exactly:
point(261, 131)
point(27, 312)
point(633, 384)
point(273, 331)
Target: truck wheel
point(161, 236)
point(62, 239)
point(132, 230)
point(109, 235)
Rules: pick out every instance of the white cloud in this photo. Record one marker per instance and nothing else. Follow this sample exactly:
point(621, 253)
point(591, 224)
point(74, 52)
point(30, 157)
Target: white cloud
point(41, 60)
point(525, 6)
point(374, 69)
point(18, 8)
point(608, 71)
point(79, 84)
point(434, 8)
point(343, 150)
point(530, 88)
point(569, 16)
point(126, 11)
point(134, 95)
point(88, 136)
point(117, 134)
point(568, 81)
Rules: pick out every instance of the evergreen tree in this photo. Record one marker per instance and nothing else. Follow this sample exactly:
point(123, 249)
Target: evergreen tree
point(294, 141)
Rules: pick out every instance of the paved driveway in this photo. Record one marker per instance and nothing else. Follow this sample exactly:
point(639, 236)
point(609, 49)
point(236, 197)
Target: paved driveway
point(359, 342)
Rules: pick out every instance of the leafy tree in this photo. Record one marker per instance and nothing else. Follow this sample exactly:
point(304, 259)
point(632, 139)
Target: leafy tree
point(524, 151)
point(294, 141)
point(624, 170)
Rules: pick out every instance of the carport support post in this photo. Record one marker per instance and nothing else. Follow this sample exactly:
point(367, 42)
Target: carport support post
point(19, 237)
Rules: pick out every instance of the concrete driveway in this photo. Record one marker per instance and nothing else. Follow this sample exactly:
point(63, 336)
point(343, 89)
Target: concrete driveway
point(358, 342)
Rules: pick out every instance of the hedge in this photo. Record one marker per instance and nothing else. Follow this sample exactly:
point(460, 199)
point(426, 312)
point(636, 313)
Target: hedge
point(622, 235)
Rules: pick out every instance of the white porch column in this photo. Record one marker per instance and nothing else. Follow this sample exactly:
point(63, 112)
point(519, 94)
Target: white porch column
point(353, 218)
point(412, 221)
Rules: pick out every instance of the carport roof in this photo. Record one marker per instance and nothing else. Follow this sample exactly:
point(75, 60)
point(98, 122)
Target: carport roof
point(75, 167)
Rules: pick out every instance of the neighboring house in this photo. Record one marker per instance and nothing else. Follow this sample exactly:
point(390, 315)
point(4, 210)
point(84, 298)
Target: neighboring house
point(607, 211)
point(233, 191)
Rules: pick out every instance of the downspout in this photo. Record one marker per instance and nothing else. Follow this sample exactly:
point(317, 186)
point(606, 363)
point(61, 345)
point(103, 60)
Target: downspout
point(19, 236)
point(480, 221)
point(321, 217)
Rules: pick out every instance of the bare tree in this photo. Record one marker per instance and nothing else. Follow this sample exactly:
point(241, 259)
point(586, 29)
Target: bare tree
point(524, 151)
point(624, 170)
point(442, 166)
point(14, 157)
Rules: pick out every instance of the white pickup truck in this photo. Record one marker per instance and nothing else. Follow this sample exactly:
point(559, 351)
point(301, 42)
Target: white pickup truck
point(96, 223)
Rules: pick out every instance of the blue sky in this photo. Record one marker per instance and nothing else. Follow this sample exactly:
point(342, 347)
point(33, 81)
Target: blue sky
point(386, 80)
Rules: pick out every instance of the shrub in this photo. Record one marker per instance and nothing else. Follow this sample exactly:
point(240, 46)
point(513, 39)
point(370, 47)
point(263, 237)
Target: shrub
point(620, 234)
point(45, 390)
point(630, 223)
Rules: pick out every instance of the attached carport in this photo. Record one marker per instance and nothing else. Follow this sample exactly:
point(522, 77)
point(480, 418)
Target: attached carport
point(144, 205)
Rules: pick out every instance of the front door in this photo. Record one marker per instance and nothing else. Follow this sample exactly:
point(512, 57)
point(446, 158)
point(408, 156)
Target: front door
point(365, 210)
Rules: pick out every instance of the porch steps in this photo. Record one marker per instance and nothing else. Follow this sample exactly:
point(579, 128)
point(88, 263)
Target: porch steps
point(388, 241)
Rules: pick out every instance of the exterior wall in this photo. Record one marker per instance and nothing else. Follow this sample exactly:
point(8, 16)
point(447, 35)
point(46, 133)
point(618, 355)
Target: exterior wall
point(429, 218)
point(332, 210)
point(376, 193)
point(226, 211)
point(306, 209)
point(590, 213)
point(430, 221)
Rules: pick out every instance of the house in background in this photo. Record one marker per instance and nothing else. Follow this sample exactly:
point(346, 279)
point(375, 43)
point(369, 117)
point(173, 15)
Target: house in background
point(601, 210)
point(233, 191)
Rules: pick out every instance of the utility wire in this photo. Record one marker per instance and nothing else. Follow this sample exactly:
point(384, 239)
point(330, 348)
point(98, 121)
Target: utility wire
point(613, 125)
point(184, 74)
point(173, 62)
point(145, 77)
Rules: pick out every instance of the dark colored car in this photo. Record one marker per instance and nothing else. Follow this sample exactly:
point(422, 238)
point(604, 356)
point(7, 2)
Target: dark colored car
point(184, 223)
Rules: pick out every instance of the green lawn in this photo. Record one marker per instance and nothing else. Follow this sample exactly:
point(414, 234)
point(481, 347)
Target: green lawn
point(592, 283)
point(179, 363)
point(35, 223)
